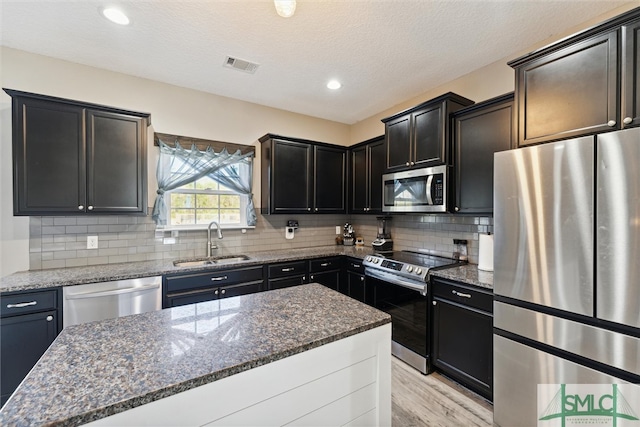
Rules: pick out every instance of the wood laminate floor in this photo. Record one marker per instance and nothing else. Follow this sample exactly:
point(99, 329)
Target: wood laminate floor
point(433, 400)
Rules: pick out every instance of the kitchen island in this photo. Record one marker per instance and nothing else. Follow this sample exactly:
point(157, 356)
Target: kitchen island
point(298, 355)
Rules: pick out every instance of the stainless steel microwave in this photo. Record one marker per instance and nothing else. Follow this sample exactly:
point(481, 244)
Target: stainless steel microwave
point(417, 190)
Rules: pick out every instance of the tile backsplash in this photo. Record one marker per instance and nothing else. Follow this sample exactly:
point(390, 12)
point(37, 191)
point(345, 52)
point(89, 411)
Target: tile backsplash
point(62, 241)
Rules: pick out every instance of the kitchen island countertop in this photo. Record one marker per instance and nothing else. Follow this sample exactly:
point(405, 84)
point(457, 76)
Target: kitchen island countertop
point(102, 368)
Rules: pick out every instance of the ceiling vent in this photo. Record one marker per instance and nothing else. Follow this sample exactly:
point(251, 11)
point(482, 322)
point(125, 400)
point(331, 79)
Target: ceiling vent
point(241, 64)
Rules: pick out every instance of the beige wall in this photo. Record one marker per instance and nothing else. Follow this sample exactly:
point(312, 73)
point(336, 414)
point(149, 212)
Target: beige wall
point(173, 109)
point(484, 83)
point(187, 112)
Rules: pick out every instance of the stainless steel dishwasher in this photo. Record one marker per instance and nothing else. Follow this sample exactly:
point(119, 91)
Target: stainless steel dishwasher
point(105, 300)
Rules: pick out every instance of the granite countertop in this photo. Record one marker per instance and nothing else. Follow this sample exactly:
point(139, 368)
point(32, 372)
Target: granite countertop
point(467, 273)
point(101, 368)
point(42, 279)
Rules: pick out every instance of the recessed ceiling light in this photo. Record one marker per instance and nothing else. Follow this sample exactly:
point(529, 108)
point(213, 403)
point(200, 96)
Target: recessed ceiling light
point(334, 84)
point(115, 15)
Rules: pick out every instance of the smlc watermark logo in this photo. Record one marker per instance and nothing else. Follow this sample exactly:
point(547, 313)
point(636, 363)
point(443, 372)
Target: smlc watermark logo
point(612, 405)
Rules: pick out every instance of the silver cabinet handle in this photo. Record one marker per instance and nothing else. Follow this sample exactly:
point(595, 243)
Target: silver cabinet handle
point(627, 120)
point(325, 264)
point(435, 303)
point(215, 292)
point(304, 278)
point(413, 163)
point(356, 265)
point(80, 207)
point(217, 279)
point(49, 318)
point(90, 207)
point(22, 304)
point(288, 269)
point(407, 164)
point(611, 123)
point(224, 291)
point(362, 278)
point(457, 208)
point(316, 209)
point(309, 209)
point(460, 294)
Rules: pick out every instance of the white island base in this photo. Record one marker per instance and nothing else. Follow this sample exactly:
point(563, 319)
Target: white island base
point(346, 382)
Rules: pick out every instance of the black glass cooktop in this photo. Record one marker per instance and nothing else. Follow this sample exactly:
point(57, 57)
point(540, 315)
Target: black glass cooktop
point(420, 259)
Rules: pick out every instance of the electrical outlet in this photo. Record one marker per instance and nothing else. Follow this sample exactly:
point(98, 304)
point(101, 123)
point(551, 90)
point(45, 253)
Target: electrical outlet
point(338, 229)
point(92, 242)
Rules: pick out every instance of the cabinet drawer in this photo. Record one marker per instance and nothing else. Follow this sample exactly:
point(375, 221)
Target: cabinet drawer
point(28, 302)
point(287, 269)
point(210, 279)
point(325, 264)
point(287, 282)
point(463, 294)
point(355, 265)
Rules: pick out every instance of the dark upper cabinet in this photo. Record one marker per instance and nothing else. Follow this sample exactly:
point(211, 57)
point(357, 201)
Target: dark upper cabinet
point(631, 74)
point(419, 136)
point(71, 157)
point(300, 176)
point(367, 166)
point(479, 131)
point(584, 84)
point(29, 323)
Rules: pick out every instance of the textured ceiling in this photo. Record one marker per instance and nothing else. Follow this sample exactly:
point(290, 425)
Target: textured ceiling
point(383, 52)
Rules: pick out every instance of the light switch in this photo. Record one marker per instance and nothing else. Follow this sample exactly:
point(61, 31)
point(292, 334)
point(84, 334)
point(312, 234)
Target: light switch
point(92, 242)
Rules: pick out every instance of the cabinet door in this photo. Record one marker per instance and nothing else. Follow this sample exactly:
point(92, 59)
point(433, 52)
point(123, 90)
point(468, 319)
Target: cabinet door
point(116, 162)
point(292, 176)
point(357, 286)
point(376, 169)
point(631, 75)
point(330, 279)
point(24, 339)
point(569, 93)
point(359, 180)
point(463, 345)
point(478, 135)
point(428, 136)
point(398, 142)
point(286, 282)
point(49, 157)
point(241, 289)
point(330, 180)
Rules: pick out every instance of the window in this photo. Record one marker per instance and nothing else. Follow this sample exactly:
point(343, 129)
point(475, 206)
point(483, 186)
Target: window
point(206, 200)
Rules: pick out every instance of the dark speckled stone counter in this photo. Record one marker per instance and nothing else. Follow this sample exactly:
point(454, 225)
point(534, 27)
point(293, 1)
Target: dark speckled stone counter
point(98, 369)
point(467, 273)
point(42, 279)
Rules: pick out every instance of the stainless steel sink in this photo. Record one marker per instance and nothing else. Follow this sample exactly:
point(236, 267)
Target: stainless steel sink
point(225, 259)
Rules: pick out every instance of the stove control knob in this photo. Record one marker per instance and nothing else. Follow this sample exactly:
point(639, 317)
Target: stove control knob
point(419, 271)
point(409, 269)
point(368, 258)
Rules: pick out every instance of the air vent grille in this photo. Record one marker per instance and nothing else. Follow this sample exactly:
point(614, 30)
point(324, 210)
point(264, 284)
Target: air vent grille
point(241, 64)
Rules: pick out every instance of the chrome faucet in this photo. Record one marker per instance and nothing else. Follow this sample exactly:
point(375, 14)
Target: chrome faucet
point(210, 244)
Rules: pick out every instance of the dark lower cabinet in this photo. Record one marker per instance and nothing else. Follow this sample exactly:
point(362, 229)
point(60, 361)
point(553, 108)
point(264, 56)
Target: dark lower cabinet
point(463, 334)
point(328, 272)
point(286, 274)
point(77, 158)
point(30, 322)
point(357, 281)
point(183, 289)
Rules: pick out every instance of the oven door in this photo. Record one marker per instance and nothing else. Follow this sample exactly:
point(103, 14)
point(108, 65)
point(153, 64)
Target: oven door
point(409, 310)
point(420, 190)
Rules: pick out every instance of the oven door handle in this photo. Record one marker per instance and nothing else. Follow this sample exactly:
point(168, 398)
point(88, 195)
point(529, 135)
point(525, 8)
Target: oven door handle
point(395, 280)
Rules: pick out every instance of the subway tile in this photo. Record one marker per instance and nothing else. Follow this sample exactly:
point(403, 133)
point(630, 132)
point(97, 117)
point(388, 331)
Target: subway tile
point(35, 261)
point(58, 263)
point(47, 256)
point(114, 259)
point(87, 220)
point(136, 257)
point(108, 220)
point(127, 251)
point(35, 245)
point(64, 221)
point(46, 229)
point(127, 220)
point(50, 247)
point(107, 252)
point(75, 246)
point(64, 254)
point(65, 238)
point(47, 221)
point(87, 253)
point(117, 228)
point(76, 229)
point(47, 239)
point(97, 260)
point(97, 228)
point(76, 262)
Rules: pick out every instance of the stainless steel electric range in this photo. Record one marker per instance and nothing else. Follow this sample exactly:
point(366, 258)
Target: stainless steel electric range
point(398, 282)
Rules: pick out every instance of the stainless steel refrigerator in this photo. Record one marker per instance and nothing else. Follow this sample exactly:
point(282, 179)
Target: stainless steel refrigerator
point(567, 276)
